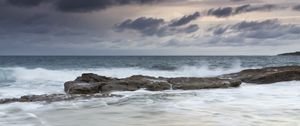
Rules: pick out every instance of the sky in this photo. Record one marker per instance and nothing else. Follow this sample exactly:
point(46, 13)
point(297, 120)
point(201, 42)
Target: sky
point(149, 27)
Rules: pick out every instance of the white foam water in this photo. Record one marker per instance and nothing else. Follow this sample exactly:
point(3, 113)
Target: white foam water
point(275, 104)
point(20, 73)
point(18, 81)
point(248, 105)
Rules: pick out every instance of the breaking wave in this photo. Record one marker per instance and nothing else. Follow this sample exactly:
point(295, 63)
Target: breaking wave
point(25, 74)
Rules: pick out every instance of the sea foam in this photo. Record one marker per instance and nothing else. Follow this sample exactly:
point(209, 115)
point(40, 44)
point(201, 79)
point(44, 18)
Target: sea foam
point(26, 74)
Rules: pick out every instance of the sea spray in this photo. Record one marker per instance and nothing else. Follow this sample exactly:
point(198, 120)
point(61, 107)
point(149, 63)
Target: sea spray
point(26, 74)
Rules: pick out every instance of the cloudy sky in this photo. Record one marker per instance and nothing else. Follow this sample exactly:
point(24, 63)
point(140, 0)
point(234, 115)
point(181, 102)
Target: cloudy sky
point(149, 27)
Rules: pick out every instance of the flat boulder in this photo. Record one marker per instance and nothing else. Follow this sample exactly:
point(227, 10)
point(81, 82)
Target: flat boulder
point(193, 83)
point(74, 87)
point(267, 75)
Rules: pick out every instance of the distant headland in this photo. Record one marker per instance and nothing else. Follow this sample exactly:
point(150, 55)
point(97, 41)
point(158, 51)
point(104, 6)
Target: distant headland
point(290, 54)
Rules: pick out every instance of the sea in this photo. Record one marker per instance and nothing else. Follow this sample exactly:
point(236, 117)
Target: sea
point(276, 104)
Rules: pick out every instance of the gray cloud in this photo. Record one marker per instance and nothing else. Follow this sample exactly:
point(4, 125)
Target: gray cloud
point(147, 26)
point(297, 8)
point(245, 33)
point(221, 12)
point(191, 28)
point(80, 5)
point(268, 29)
point(185, 20)
point(24, 3)
point(230, 11)
point(141, 23)
point(159, 27)
point(92, 5)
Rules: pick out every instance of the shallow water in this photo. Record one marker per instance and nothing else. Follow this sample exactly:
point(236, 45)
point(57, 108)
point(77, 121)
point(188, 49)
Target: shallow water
point(248, 105)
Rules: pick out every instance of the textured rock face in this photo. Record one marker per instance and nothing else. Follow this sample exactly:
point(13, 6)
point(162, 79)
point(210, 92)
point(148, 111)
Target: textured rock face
point(105, 85)
point(192, 83)
point(74, 87)
point(92, 83)
point(53, 98)
point(159, 86)
point(90, 78)
point(267, 75)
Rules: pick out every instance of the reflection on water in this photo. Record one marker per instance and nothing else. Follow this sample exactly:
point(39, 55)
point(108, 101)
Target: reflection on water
point(249, 105)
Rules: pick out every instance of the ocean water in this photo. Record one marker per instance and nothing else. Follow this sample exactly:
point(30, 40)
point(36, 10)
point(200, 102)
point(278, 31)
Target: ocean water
point(248, 105)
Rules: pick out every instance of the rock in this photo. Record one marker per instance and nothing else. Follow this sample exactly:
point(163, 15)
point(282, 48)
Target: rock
point(137, 82)
point(159, 86)
point(73, 87)
point(8, 100)
point(290, 54)
point(267, 75)
point(124, 85)
point(54, 98)
point(193, 83)
point(91, 78)
point(140, 77)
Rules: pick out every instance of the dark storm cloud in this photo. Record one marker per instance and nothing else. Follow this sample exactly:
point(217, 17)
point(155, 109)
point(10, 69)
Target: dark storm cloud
point(141, 23)
point(230, 11)
point(267, 29)
point(147, 26)
point(297, 8)
point(24, 3)
point(92, 5)
point(159, 27)
point(80, 5)
point(191, 28)
point(221, 12)
point(185, 20)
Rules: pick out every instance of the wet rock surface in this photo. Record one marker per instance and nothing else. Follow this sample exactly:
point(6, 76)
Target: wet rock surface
point(266, 75)
point(74, 87)
point(54, 97)
point(192, 83)
point(149, 83)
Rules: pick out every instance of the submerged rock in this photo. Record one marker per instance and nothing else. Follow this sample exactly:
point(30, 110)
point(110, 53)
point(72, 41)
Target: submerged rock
point(53, 98)
point(267, 75)
point(163, 67)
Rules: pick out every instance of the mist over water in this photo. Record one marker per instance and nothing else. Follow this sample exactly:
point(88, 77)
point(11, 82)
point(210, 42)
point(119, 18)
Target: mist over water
point(275, 104)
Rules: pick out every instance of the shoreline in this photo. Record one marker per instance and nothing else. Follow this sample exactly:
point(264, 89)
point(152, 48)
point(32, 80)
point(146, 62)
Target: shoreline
point(92, 85)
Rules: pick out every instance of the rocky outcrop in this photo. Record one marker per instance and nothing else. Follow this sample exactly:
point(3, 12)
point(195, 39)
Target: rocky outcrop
point(266, 75)
point(92, 83)
point(146, 82)
point(53, 98)
point(94, 86)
